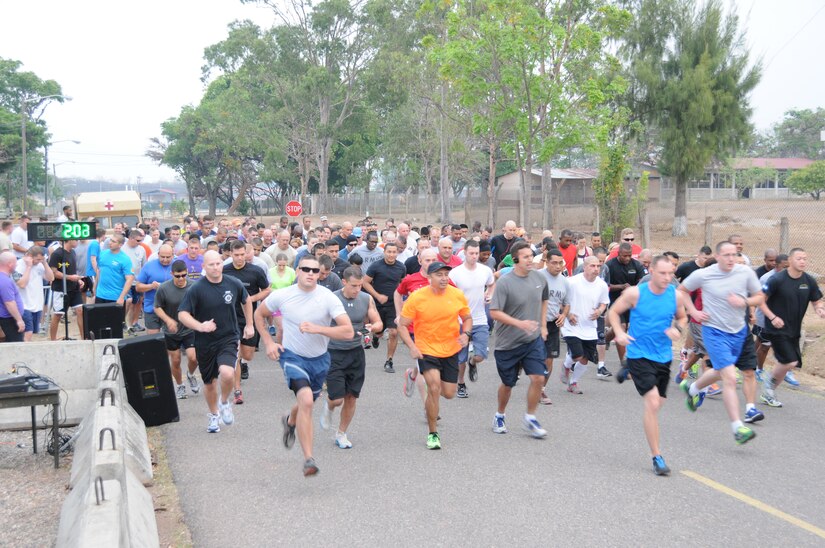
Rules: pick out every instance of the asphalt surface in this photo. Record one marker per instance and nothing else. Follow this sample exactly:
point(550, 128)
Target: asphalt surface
point(590, 482)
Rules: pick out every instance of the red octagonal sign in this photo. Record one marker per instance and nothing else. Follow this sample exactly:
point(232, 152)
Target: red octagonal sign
point(293, 208)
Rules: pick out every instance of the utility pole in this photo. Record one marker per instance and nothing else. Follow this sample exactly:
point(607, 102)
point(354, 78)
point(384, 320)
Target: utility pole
point(23, 146)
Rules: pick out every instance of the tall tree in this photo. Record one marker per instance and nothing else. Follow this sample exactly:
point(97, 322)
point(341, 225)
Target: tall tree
point(798, 135)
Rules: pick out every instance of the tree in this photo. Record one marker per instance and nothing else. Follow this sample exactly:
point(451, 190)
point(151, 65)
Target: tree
point(746, 179)
point(798, 135)
point(809, 180)
point(692, 77)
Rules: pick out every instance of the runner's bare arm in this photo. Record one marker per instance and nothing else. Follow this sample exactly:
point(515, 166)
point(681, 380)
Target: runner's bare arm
point(376, 325)
point(625, 302)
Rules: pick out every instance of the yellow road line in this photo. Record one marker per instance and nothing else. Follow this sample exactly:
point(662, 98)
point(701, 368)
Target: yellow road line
point(759, 505)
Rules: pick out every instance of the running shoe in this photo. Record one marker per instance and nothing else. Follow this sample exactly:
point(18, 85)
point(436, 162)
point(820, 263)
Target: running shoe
point(760, 375)
point(545, 399)
point(738, 377)
point(603, 373)
point(683, 358)
point(499, 426)
point(238, 397)
point(227, 416)
point(573, 388)
point(791, 379)
point(244, 370)
point(533, 426)
point(753, 415)
point(180, 391)
point(289, 432)
point(565, 375)
point(693, 402)
point(714, 390)
point(473, 370)
point(660, 467)
point(194, 385)
point(214, 424)
point(409, 382)
point(694, 371)
point(272, 330)
point(326, 415)
point(137, 328)
point(433, 441)
point(462, 391)
point(744, 435)
point(680, 376)
point(376, 340)
point(342, 441)
point(310, 468)
point(770, 400)
point(388, 365)
point(622, 375)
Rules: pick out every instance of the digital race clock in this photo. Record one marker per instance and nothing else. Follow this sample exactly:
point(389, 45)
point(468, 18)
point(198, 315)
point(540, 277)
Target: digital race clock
point(69, 230)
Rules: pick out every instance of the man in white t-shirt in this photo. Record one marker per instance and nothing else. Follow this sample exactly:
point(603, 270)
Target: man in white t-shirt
point(310, 317)
point(29, 274)
point(20, 237)
point(477, 282)
point(589, 297)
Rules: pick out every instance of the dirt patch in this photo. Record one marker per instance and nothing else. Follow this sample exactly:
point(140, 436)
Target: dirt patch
point(172, 529)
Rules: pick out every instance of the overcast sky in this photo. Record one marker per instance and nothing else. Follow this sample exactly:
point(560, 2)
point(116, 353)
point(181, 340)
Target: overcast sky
point(131, 65)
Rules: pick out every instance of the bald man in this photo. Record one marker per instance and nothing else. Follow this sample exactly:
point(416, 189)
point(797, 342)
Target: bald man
point(148, 281)
point(502, 243)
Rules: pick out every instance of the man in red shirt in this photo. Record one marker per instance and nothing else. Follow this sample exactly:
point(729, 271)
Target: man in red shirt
point(568, 250)
point(629, 237)
point(445, 253)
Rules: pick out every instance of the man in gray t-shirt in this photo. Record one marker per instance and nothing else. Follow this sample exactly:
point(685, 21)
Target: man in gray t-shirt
point(177, 336)
point(728, 289)
point(558, 305)
point(519, 308)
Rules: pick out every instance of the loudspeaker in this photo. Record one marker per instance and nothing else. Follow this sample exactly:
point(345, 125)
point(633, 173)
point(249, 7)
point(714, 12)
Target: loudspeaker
point(148, 378)
point(103, 321)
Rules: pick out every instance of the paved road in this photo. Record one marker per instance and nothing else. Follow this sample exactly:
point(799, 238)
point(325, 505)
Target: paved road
point(589, 483)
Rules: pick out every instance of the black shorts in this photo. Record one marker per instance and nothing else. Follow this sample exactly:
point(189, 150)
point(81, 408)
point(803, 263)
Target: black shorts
point(447, 366)
point(579, 348)
point(387, 314)
point(176, 342)
point(133, 294)
point(552, 344)
point(251, 341)
point(346, 372)
point(747, 358)
point(211, 357)
point(74, 298)
point(760, 334)
point(9, 327)
point(648, 374)
point(529, 356)
point(785, 349)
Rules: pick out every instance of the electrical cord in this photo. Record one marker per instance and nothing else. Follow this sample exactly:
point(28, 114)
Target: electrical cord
point(64, 440)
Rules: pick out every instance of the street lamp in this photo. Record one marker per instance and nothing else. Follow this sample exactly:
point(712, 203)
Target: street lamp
point(46, 170)
point(24, 118)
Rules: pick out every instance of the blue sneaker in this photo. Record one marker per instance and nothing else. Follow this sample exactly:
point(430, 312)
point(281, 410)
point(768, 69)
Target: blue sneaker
point(759, 375)
point(660, 467)
point(499, 426)
point(533, 426)
point(621, 376)
point(693, 402)
point(714, 390)
point(753, 415)
point(790, 379)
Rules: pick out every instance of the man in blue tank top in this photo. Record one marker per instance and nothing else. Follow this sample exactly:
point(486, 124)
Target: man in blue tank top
point(658, 319)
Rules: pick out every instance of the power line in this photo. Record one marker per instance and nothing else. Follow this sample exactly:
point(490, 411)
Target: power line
point(792, 38)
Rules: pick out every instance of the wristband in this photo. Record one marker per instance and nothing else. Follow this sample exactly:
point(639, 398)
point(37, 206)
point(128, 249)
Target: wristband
point(772, 319)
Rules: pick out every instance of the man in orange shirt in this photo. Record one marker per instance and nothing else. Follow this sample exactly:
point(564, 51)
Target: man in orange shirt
point(439, 337)
point(568, 250)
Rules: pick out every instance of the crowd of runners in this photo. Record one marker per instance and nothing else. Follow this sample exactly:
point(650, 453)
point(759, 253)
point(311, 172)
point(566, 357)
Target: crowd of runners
point(314, 297)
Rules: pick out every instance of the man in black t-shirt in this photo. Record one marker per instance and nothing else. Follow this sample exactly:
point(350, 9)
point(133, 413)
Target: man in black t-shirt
point(787, 295)
point(501, 243)
point(686, 269)
point(381, 280)
point(257, 287)
point(625, 271)
point(208, 308)
point(65, 257)
point(770, 263)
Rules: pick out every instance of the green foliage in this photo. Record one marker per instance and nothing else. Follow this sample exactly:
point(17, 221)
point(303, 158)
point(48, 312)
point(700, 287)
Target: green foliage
point(797, 135)
point(609, 190)
point(747, 179)
point(810, 180)
point(178, 207)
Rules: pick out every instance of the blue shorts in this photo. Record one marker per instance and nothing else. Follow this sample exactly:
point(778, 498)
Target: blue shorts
point(311, 370)
point(529, 356)
point(723, 348)
point(480, 337)
point(32, 321)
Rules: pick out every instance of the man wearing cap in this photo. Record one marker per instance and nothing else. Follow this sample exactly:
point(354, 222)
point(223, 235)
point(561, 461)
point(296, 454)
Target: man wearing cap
point(324, 221)
point(439, 337)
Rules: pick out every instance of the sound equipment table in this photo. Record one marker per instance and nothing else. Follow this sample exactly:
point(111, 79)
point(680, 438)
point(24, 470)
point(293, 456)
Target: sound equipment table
point(32, 398)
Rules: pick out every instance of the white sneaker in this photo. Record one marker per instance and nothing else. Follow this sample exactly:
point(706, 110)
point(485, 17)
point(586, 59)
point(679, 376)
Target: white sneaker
point(194, 385)
point(326, 415)
point(214, 424)
point(533, 426)
point(227, 416)
point(342, 441)
point(181, 391)
point(499, 426)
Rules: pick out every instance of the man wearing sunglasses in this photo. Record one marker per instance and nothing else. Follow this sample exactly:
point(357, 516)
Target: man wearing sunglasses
point(627, 236)
point(310, 317)
point(167, 300)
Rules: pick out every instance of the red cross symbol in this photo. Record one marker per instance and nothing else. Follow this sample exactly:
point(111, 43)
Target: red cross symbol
point(109, 205)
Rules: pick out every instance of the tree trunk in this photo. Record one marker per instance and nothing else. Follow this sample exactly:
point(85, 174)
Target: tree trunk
point(467, 214)
point(680, 213)
point(547, 191)
point(491, 185)
point(528, 191)
point(323, 175)
point(521, 186)
point(444, 178)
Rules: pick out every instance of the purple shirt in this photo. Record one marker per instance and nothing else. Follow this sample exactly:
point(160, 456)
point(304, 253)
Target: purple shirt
point(9, 292)
point(193, 266)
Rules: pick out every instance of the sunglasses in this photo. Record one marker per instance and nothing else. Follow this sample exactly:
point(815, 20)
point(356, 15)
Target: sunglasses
point(180, 275)
point(351, 244)
point(629, 239)
point(309, 269)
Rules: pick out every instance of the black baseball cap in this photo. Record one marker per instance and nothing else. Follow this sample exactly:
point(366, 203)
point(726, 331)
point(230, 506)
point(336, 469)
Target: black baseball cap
point(435, 267)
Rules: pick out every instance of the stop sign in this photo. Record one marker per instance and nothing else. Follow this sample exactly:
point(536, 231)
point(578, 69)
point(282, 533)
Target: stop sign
point(293, 208)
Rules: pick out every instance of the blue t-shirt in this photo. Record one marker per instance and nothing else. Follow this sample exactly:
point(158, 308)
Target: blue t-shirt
point(193, 266)
point(153, 271)
point(114, 267)
point(92, 251)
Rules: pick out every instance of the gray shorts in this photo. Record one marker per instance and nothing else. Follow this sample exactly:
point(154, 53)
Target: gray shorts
point(698, 341)
point(151, 320)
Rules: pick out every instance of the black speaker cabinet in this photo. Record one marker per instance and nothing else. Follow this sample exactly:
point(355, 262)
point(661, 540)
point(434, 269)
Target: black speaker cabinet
point(148, 379)
point(103, 321)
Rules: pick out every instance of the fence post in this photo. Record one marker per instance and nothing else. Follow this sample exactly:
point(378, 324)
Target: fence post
point(784, 235)
point(708, 230)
